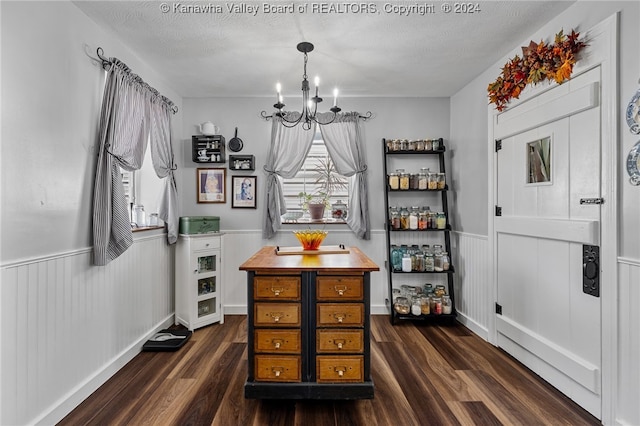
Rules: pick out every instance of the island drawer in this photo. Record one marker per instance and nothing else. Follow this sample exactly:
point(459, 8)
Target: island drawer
point(340, 314)
point(277, 368)
point(284, 341)
point(276, 288)
point(339, 340)
point(333, 369)
point(276, 314)
point(339, 288)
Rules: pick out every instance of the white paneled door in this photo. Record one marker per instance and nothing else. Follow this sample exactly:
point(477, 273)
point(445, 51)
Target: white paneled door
point(548, 165)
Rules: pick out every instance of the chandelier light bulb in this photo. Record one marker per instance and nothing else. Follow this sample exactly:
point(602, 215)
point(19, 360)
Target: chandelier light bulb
point(335, 96)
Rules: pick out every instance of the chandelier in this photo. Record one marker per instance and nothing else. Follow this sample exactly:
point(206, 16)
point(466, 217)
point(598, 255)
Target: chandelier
point(309, 105)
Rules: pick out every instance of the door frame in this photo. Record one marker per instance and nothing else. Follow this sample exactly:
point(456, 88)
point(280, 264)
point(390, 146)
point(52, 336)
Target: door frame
point(602, 51)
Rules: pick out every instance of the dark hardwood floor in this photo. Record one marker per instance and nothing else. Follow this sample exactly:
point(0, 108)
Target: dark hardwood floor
point(423, 375)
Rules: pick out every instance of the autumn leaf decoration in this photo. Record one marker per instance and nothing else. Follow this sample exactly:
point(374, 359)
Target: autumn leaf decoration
point(539, 62)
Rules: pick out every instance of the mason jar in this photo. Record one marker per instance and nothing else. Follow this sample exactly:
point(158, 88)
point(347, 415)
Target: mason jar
point(413, 218)
point(404, 181)
point(433, 181)
point(447, 305)
point(441, 221)
point(394, 181)
point(404, 218)
point(441, 182)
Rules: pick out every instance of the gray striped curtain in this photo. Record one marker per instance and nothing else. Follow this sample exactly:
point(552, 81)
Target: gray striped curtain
point(289, 147)
point(123, 135)
point(344, 141)
point(164, 165)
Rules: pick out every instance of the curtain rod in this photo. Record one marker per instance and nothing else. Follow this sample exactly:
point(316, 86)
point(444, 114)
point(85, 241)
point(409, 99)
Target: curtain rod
point(106, 63)
point(364, 117)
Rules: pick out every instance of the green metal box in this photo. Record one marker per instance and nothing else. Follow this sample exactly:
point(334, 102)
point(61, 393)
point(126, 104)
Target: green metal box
point(199, 224)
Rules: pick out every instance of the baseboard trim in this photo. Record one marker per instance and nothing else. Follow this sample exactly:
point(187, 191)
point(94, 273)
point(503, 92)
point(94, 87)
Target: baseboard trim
point(71, 400)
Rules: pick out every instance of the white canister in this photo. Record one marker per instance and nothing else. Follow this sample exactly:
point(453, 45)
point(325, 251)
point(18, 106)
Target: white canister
point(139, 216)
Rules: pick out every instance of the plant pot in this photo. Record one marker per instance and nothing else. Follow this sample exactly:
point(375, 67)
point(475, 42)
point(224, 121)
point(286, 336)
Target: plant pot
point(316, 211)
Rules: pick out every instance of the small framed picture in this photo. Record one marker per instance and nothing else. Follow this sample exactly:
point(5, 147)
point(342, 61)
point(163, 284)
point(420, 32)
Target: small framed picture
point(243, 192)
point(211, 185)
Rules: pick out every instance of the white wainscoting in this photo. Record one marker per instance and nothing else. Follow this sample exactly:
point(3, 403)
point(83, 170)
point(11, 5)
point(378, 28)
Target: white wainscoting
point(239, 245)
point(628, 391)
point(470, 257)
point(472, 288)
point(67, 326)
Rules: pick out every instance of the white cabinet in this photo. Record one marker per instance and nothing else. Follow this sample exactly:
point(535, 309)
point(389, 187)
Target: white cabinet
point(199, 280)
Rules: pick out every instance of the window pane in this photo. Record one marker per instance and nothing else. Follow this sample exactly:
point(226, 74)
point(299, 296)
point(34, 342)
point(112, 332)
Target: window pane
point(306, 178)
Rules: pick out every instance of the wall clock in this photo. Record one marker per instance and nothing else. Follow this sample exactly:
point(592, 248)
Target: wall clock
point(633, 114)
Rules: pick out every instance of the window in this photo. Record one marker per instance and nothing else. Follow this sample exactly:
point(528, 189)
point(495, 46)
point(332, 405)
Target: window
point(317, 176)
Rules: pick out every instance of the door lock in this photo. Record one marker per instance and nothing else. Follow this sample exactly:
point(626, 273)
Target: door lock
point(591, 270)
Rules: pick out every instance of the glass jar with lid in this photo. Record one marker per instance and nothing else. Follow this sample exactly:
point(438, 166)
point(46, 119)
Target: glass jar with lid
point(404, 218)
point(432, 182)
point(428, 146)
point(429, 264)
point(437, 305)
point(413, 181)
point(441, 182)
point(425, 307)
point(441, 221)
point(402, 305)
point(394, 181)
point(446, 261)
point(404, 181)
point(437, 248)
point(436, 144)
point(394, 218)
point(411, 145)
point(439, 291)
point(416, 306)
point(437, 263)
point(396, 258)
point(431, 220)
point(420, 145)
point(406, 262)
point(423, 181)
point(404, 145)
point(422, 220)
point(419, 262)
point(413, 218)
point(447, 305)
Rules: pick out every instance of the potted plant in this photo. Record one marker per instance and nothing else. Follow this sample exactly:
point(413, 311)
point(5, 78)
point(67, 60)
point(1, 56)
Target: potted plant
point(327, 181)
point(315, 203)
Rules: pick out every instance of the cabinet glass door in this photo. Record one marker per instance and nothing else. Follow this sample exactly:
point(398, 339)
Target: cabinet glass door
point(207, 307)
point(207, 263)
point(206, 286)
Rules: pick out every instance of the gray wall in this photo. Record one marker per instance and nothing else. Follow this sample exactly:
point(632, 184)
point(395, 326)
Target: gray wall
point(469, 122)
point(410, 118)
point(51, 99)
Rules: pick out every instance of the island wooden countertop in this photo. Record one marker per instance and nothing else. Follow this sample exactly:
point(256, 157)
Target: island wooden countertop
point(266, 260)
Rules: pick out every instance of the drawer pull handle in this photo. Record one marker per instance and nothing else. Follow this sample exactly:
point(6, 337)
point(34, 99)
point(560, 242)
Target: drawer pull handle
point(340, 289)
point(277, 290)
point(276, 316)
point(277, 343)
point(339, 343)
point(277, 371)
point(339, 317)
point(340, 370)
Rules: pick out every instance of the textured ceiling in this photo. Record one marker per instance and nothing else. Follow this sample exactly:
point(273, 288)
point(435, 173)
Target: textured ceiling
point(225, 53)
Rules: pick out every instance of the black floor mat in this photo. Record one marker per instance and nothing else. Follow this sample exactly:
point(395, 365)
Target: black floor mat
point(167, 340)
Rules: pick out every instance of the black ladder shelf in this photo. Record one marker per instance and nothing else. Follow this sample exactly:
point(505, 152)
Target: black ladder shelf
point(396, 156)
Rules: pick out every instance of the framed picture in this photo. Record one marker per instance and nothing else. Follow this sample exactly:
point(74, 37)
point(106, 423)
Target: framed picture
point(243, 192)
point(211, 185)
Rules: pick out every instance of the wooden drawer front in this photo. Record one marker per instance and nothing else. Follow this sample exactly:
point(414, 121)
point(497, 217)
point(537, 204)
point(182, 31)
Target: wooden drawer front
point(277, 368)
point(339, 288)
point(285, 341)
point(340, 314)
point(276, 314)
point(332, 340)
point(276, 288)
point(332, 369)
point(205, 244)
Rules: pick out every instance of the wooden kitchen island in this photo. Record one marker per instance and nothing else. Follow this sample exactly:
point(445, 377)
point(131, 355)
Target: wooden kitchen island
point(308, 325)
